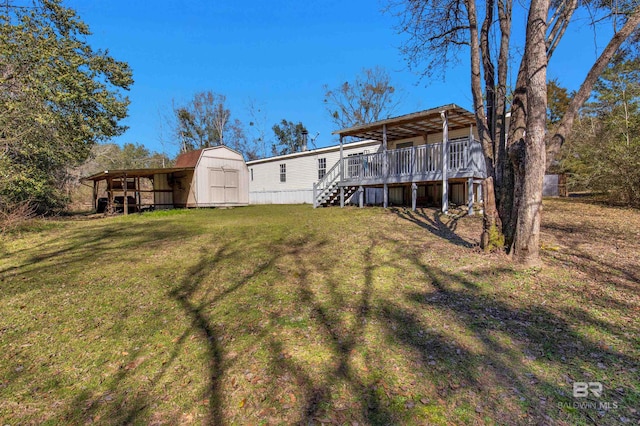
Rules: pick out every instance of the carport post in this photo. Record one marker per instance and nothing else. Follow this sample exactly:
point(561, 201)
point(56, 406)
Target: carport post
point(95, 195)
point(110, 195)
point(126, 202)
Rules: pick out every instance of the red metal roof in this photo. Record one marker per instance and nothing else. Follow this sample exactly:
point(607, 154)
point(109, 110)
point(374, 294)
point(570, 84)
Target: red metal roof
point(188, 159)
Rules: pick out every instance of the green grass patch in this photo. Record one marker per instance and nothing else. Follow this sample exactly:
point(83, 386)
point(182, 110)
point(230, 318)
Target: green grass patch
point(286, 314)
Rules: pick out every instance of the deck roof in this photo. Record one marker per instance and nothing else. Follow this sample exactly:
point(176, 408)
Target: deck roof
point(414, 124)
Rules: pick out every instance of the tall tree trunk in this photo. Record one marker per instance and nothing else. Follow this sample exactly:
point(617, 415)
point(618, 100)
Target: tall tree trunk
point(504, 175)
point(492, 223)
point(527, 239)
point(512, 164)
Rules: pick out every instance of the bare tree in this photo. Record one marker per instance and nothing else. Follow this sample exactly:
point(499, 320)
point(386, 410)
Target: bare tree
point(257, 124)
point(202, 122)
point(438, 30)
point(369, 98)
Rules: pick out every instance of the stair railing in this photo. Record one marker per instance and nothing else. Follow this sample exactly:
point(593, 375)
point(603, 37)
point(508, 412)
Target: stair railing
point(325, 184)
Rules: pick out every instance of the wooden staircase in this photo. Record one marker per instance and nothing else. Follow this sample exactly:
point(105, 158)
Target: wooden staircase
point(331, 195)
point(326, 192)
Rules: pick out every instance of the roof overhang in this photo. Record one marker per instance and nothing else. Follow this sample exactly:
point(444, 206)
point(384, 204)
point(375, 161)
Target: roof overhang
point(315, 151)
point(133, 173)
point(411, 125)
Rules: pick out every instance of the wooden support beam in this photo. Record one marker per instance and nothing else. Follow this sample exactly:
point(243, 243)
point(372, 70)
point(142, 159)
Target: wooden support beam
point(109, 195)
point(342, 196)
point(445, 161)
point(385, 196)
point(479, 196)
point(126, 199)
point(341, 160)
point(470, 195)
point(414, 196)
point(95, 195)
point(138, 194)
point(361, 196)
point(385, 167)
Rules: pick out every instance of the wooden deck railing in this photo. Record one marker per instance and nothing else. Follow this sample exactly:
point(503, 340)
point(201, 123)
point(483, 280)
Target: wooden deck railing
point(464, 154)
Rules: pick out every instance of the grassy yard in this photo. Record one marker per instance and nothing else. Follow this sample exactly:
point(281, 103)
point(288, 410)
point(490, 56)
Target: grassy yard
point(285, 314)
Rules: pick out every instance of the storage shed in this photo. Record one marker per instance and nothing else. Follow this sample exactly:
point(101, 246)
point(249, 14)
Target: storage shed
point(209, 177)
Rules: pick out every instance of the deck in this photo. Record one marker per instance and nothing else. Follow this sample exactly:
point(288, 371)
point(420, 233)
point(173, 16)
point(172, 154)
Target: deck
point(461, 159)
point(423, 163)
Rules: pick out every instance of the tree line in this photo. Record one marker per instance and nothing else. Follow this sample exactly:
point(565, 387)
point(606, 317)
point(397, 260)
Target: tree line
point(206, 121)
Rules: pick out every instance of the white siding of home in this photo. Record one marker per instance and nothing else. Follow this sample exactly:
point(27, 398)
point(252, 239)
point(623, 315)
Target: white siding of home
point(302, 173)
point(302, 170)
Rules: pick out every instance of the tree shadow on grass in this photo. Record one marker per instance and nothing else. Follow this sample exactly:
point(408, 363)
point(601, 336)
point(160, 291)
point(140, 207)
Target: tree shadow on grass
point(518, 348)
point(434, 224)
point(74, 251)
point(196, 300)
point(341, 339)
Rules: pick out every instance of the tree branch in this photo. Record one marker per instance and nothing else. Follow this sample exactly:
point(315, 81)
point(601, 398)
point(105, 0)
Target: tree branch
point(581, 96)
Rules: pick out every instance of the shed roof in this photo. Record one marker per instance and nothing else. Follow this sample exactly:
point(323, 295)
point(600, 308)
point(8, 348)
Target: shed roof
point(189, 159)
point(184, 162)
point(414, 124)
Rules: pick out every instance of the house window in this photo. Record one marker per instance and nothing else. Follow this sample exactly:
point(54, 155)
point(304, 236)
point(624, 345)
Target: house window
point(404, 145)
point(251, 175)
point(322, 167)
point(283, 172)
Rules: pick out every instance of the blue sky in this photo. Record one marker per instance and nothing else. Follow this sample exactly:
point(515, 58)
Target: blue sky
point(277, 54)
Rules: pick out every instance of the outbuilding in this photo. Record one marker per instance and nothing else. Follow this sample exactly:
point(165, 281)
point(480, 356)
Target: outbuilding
point(209, 177)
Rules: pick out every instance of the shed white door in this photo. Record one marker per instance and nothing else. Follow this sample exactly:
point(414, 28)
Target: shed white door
point(224, 185)
point(231, 186)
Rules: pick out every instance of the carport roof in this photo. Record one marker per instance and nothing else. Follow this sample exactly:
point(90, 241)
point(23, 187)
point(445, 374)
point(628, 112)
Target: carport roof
point(132, 173)
point(414, 124)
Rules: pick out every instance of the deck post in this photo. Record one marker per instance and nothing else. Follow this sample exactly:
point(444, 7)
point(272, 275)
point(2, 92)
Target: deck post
point(385, 168)
point(479, 196)
point(361, 196)
point(341, 162)
point(445, 161)
point(414, 196)
point(342, 196)
point(467, 152)
point(470, 195)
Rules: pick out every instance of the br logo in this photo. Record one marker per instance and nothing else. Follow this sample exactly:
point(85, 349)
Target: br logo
point(582, 389)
